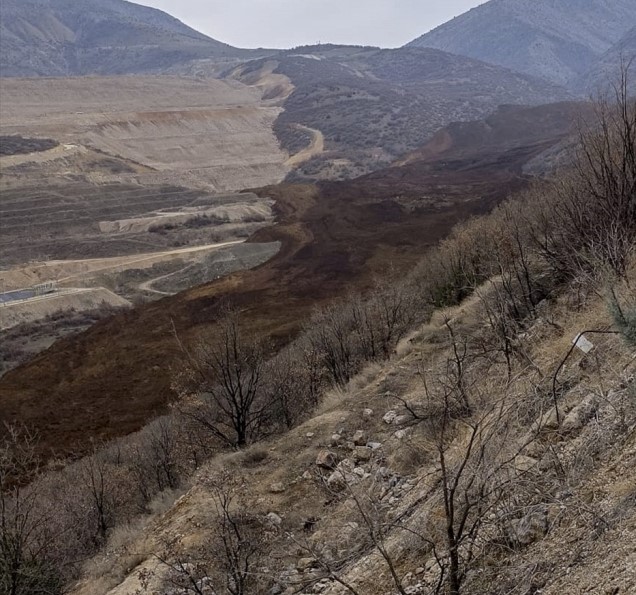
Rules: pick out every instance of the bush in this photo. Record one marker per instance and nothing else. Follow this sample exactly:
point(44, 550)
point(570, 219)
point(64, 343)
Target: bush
point(624, 319)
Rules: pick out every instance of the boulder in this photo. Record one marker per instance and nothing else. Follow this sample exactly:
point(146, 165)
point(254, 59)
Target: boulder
point(362, 454)
point(367, 413)
point(360, 438)
point(305, 564)
point(277, 488)
point(581, 414)
point(389, 417)
point(274, 520)
point(344, 475)
point(529, 529)
point(326, 459)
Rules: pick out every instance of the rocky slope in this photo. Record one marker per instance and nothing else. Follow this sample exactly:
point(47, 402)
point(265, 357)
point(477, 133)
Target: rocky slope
point(68, 37)
point(354, 496)
point(557, 40)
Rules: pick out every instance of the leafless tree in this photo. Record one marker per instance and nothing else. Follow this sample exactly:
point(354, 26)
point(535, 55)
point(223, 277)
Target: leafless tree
point(329, 333)
point(230, 560)
point(27, 566)
point(590, 223)
point(153, 458)
point(96, 478)
point(227, 371)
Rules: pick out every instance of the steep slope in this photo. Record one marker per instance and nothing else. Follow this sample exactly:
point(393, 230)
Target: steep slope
point(558, 40)
point(565, 523)
point(606, 70)
point(74, 37)
point(336, 236)
point(374, 105)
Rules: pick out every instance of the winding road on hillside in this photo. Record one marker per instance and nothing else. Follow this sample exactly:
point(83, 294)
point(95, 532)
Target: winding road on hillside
point(147, 285)
point(315, 147)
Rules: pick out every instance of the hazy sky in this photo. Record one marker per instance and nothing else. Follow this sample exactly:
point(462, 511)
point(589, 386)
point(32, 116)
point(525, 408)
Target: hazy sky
point(288, 23)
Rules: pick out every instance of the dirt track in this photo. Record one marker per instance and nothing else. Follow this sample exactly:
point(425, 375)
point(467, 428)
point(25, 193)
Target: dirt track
point(67, 271)
point(77, 299)
point(316, 147)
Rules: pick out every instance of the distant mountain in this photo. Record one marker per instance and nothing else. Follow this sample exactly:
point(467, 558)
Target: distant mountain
point(76, 37)
point(558, 40)
point(606, 70)
point(373, 106)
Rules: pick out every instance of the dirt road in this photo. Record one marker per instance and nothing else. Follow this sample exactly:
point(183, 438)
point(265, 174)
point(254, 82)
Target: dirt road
point(65, 271)
point(316, 147)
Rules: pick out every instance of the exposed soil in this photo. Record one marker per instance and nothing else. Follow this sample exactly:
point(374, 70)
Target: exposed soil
point(202, 132)
point(316, 147)
point(335, 237)
point(67, 300)
point(71, 219)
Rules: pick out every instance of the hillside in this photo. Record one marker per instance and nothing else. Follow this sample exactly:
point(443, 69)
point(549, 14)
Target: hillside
point(606, 69)
point(335, 236)
point(466, 427)
point(562, 522)
point(77, 37)
point(556, 40)
point(373, 105)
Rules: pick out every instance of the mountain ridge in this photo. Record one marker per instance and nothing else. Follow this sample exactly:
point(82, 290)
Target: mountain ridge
point(557, 41)
point(62, 37)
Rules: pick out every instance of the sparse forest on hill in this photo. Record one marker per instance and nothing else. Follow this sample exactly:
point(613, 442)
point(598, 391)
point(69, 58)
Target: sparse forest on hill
point(440, 434)
point(336, 320)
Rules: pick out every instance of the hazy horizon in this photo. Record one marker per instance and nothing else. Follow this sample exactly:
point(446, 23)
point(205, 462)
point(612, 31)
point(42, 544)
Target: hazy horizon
point(290, 23)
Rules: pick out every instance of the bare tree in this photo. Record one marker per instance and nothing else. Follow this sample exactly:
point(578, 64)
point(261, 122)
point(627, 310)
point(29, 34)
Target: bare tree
point(230, 560)
point(591, 221)
point(27, 566)
point(96, 477)
point(227, 371)
point(329, 333)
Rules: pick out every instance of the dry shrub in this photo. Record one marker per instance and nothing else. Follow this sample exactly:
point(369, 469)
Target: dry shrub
point(253, 457)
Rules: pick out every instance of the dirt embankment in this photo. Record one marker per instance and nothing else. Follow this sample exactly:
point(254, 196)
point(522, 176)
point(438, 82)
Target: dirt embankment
point(204, 132)
point(68, 272)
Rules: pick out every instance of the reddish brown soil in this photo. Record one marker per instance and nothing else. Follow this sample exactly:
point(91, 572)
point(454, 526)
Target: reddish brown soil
point(112, 378)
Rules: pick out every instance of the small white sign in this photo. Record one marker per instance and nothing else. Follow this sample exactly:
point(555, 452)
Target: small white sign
point(583, 344)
